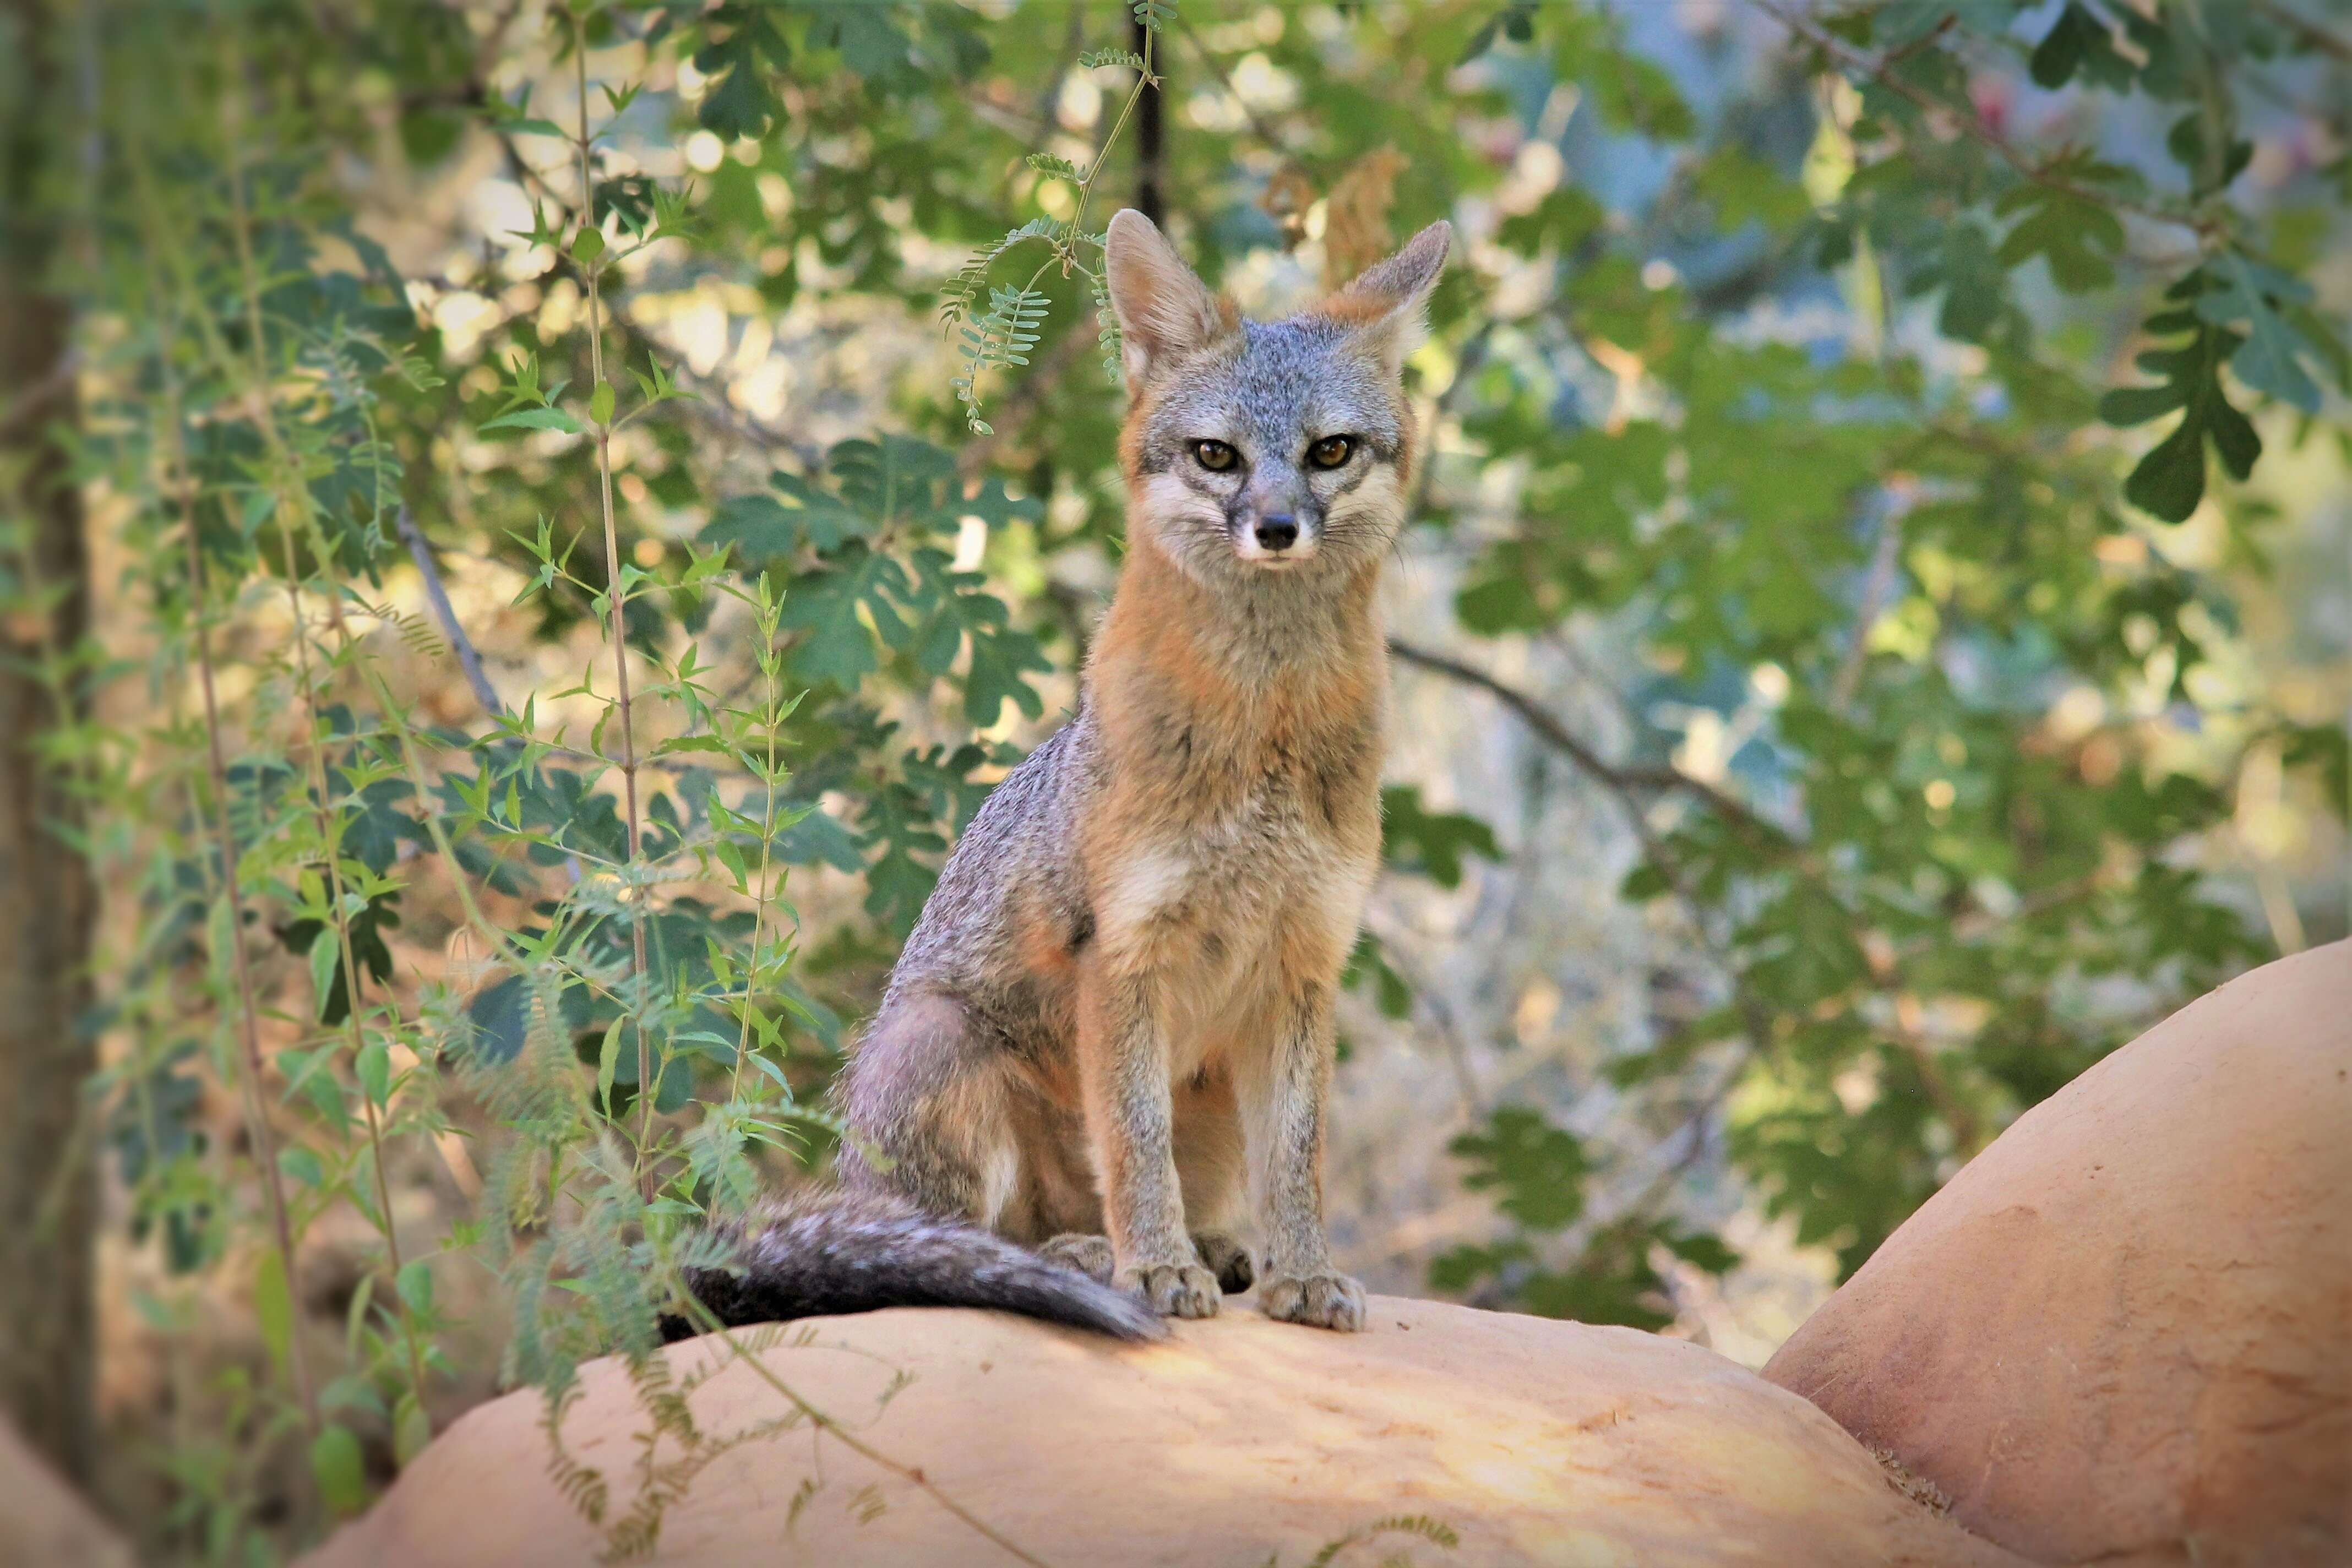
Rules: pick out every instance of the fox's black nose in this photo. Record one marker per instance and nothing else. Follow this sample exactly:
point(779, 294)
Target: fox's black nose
point(1277, 532)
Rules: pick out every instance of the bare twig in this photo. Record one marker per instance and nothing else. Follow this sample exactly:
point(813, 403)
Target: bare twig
point(1622, 781)
point(833, 1427)
point(2303, 28)
point(468, 659)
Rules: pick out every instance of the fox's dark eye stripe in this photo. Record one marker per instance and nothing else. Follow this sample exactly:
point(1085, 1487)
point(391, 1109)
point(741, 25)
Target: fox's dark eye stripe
point(1214, 455)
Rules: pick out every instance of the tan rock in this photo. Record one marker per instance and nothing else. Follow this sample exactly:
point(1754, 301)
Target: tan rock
point(44, 1521)
point(2124, 1331)
point(1533, 1441)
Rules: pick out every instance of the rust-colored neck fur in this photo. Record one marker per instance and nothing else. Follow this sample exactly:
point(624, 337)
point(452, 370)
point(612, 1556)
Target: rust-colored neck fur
point(1274, 662)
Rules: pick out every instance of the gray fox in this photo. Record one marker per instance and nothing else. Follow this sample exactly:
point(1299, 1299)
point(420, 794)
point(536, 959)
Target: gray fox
point(1113, 1021)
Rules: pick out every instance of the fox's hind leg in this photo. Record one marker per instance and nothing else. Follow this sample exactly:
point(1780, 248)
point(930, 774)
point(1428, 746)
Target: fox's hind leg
point(928, 1092)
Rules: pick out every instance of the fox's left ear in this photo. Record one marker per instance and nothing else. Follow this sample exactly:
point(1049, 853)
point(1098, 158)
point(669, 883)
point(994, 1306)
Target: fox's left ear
point(1391, 298)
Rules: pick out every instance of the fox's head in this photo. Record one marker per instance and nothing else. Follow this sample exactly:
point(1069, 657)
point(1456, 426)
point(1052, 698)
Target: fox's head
point(1255, 446)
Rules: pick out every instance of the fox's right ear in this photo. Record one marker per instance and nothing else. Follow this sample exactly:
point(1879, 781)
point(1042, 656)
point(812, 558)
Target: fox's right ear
point(1163, 308)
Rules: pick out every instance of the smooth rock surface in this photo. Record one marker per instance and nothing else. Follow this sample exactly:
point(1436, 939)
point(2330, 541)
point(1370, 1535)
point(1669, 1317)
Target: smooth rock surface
point(44, 1521)
point(2124, 1331)
point(1534, 1441)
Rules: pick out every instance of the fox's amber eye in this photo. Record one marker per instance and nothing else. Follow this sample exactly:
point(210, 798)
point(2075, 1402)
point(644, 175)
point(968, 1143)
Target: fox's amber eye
point(1332, 451)
point(1216, 456)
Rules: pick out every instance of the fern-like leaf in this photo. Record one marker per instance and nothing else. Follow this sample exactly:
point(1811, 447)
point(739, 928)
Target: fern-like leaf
point(1106, 333)
point(962, 291)
point(1000, 338)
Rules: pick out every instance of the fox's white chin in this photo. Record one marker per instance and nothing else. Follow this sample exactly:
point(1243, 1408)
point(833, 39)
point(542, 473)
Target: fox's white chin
point(1252, 553)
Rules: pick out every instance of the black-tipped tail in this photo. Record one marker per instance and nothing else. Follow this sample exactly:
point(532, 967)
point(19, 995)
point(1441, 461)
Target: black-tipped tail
point(832, 1252)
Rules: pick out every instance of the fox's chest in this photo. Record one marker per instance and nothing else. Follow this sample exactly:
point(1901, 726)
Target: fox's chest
point(1275, 881)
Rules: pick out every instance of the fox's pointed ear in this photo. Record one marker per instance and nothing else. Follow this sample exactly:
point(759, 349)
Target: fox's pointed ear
point(1391, 296)
point(1163, 308)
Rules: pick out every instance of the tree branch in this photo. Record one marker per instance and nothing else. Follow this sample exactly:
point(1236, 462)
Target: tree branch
point(468, 659)
point(1969, 123)
point(1622, 781)
point(2302, 27)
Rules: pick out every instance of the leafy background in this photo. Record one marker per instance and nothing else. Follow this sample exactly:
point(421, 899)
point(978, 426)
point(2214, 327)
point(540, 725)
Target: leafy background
point(1874, 633)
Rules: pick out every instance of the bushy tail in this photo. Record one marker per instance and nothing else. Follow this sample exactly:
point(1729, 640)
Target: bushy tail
point(834, 1251)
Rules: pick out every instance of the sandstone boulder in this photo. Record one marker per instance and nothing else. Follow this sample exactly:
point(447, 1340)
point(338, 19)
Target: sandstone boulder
point(2124, 1331)
point(1239, 1442)
point(45, 1522)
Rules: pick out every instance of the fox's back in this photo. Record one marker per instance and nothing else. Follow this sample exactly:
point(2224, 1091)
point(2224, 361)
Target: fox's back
point(1001, 930)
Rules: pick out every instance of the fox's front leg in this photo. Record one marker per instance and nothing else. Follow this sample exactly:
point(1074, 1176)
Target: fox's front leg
point(1282, 1091)
point(1123, 1069)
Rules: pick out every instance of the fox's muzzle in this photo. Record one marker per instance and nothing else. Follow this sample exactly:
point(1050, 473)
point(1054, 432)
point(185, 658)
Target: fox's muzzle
point(1273, 522)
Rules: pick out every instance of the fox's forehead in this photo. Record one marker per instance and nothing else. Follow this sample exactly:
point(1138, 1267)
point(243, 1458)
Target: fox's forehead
point(1277, 383)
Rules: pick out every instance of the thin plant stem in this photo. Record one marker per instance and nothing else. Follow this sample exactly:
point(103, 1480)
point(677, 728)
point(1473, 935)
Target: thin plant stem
point(264, 1139)
point(1063, 250)
point(834, 1428)
point(616, 595)
point(330, 831)
point(181, 478)
point(290, 495)
point(767, 835)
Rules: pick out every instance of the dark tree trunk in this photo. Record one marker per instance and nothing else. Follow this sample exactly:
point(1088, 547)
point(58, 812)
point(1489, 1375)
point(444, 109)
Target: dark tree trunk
point(47, 1333)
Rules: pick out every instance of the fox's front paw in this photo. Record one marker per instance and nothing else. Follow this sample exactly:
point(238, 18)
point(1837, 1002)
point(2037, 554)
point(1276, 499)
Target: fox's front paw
point(1319, 1300)
point(1172, 1289)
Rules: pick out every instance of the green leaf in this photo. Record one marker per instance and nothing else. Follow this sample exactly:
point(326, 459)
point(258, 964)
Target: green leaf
point(2256, 294)
point(2170, 480)
point(2078, 41)
point(535, 420)
point(326, 951)
point(412, 1430)
point(415, 1285)
point(1701, 1250)
point(2079, 238)
point(339, 1469)
point(301, 1164)
point(588, 244)
point(273, 1309)
point(1744, 189)
point(600, 404)
point(1391, 994)
point(839, 646)
point(1540, 1168)
point(1431, 843)
point(608, 1061)
point(741, 102)
point(375, 1069)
